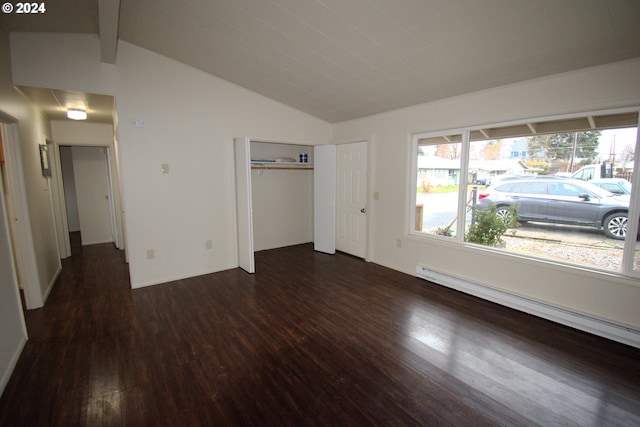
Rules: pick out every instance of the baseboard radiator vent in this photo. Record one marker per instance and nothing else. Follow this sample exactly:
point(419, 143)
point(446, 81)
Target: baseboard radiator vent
point(579, 321)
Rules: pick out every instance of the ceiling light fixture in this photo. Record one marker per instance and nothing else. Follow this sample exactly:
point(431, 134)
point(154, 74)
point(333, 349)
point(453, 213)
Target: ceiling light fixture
point(76, 114)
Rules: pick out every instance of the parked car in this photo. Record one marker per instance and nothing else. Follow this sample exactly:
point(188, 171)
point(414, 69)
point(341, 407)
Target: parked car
point(590, 172)
point(559, 200)
point(614, 185)
point(495, 180)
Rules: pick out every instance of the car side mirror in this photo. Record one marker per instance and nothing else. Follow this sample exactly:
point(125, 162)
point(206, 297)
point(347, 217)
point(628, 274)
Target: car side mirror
point(584, 196)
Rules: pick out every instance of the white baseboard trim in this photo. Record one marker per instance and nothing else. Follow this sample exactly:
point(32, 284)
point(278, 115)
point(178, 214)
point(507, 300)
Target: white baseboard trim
point(137, 285)
point(52, 282)
point(97, 242)
point(579, 321)
point(6, 375)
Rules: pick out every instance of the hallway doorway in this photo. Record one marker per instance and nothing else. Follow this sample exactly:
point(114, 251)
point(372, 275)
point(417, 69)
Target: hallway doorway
point(87, 192)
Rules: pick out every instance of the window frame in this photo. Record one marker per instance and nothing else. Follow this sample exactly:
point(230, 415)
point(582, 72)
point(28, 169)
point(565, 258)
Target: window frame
point(464, 167)
point(628, 258)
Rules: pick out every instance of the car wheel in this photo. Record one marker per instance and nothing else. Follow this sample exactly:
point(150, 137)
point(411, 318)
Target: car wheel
point(503, 212)
point(615, 226)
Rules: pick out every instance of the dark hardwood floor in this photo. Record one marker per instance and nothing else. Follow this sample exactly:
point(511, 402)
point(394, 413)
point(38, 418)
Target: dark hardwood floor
point(310, 339)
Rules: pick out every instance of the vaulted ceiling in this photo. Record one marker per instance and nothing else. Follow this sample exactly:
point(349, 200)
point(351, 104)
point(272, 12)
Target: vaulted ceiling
point(343, 59)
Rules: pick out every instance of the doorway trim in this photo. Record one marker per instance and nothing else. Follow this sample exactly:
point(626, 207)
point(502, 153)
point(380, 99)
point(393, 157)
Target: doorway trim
point(60, 207)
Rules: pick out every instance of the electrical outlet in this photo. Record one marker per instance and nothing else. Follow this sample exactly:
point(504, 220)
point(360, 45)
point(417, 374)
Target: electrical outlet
point(208, 244)
point(151, 254)
point(376, 195)
point(399, 243)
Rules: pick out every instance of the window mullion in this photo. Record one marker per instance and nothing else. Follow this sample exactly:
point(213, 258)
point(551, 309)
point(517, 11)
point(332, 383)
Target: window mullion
point(412, 186)
point(628, 254)
point(464, 184)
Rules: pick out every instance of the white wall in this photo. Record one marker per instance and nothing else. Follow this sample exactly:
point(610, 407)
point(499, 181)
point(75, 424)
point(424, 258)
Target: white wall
point(603, 296)
point(72, 61)
point(190, 119)
point(15, 108)
point(73, 133)
point(41, 251)
point(282, 199)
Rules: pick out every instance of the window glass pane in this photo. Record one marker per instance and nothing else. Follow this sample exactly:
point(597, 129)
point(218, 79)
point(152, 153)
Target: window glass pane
point(558, 185)
point(438, 181)
point(529, 188)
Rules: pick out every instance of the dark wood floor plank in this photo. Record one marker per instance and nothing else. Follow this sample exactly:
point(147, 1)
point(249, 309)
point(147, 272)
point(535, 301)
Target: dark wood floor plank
point(310, 339)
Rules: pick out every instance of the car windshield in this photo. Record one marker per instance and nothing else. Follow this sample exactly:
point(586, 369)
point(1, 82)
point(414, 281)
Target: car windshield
point(626, 185)
point(616, 186)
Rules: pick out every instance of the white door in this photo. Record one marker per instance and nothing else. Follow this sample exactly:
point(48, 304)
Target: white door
point(324, 198)
point(92, 193)
point(351, 198)
point(244, 205)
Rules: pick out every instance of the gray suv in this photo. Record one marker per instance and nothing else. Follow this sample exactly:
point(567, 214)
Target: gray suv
point(560, 201)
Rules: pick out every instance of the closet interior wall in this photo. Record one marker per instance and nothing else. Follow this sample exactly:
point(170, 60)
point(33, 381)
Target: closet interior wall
point(282, 198)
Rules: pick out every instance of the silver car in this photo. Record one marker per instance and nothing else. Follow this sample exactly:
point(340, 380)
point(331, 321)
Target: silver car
point(560, 201)
point(614, 185)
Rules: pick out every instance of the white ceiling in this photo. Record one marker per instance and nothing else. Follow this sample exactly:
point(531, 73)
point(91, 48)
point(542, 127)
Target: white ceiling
point(343, 59)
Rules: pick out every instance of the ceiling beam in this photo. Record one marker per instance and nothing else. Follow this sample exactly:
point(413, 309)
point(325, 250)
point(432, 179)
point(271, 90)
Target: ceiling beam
point(108, 18)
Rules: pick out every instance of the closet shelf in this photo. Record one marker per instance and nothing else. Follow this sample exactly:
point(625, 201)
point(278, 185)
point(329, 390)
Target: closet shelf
point(282, 165)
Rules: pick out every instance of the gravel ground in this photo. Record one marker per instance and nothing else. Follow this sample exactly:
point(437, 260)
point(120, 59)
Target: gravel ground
point(601, 254)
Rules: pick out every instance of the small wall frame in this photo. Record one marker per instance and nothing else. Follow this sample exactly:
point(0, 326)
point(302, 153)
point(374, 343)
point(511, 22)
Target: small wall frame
point(44, 160)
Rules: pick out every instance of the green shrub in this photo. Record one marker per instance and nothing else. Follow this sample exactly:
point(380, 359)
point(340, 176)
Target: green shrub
point(490, 225)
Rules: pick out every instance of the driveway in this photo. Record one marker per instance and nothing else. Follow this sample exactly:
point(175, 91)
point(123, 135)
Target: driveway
point(567, 234)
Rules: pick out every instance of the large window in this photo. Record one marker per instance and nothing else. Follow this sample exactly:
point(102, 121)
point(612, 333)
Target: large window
point(556, 189)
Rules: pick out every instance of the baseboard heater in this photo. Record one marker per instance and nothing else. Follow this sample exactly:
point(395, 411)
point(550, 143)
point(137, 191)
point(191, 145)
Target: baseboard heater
point(579, 321)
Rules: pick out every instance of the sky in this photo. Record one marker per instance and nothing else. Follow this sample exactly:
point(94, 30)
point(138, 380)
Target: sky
point(622, 137)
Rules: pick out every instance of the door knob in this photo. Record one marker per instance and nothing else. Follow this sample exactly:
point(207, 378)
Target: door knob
point(363, 210)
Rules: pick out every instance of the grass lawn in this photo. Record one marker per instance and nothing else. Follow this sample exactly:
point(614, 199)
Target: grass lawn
point(440, 189)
